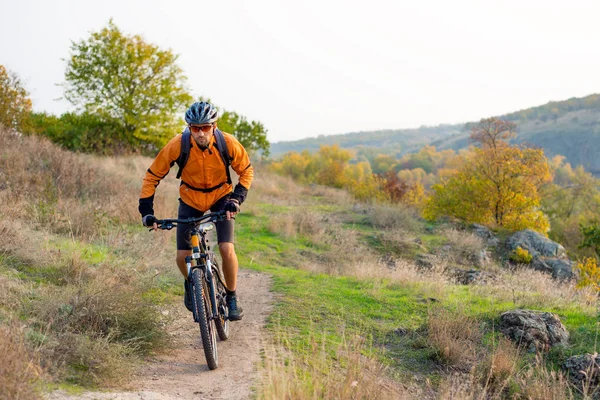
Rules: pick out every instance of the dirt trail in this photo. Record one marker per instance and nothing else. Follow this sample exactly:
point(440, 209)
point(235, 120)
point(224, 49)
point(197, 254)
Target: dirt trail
point(183, 373)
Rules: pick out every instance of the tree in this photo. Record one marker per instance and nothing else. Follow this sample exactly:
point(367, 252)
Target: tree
point(252, 135)
point(498, 184)
point(122, 77)
point(15, 104)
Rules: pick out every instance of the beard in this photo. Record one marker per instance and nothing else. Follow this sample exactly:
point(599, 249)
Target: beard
point(203, 144)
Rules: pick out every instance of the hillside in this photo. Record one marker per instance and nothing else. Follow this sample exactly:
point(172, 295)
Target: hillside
point(390, 141)
point(570, 128)
point(367, 302)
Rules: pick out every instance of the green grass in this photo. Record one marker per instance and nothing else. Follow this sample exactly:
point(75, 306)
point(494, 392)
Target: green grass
point(318, 305)
point(391, 316)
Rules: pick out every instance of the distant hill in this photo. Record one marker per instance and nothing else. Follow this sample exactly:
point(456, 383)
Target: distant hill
point(570, 128)
point(389, 141)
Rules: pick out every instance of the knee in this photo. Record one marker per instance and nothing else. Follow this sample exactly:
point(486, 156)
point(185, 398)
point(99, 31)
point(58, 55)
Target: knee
point(227, 250)
point(180, 258)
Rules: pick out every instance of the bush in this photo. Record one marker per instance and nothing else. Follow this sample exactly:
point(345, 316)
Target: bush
point(84, 132)
point(396, 217)
point(589, 274)
point(520, 256)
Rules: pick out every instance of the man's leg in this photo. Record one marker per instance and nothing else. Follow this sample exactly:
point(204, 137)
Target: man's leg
point(184, 249)
point(230, 270)
point(180, 260)
point(230, 264)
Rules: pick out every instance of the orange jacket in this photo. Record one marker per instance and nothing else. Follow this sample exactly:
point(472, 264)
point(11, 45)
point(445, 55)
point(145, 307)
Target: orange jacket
point(204, 170)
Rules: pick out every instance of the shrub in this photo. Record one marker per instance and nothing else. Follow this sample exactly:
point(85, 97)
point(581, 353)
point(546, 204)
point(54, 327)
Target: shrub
point(521, 256)
point(499, 367)
point(84, 132)
point(454, 336)
point(397, 217)
point(589, 274)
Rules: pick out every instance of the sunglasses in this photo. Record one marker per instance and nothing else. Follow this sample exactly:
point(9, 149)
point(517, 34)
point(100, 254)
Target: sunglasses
point(203, 128)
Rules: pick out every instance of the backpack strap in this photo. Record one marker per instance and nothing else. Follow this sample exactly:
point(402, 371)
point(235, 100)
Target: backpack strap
point(185, 151)
point(224, 151)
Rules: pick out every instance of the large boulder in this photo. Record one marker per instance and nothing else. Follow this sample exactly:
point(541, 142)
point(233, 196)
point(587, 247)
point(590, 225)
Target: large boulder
point(584, 370)
point(548, 256)
point(536, 244)
point(534, 330)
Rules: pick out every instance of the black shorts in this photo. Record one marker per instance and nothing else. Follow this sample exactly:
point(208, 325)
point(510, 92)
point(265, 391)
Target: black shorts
point(225, 229)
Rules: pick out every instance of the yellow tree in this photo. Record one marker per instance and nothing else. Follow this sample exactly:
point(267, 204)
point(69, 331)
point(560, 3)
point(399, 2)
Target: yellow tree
point(15, 105)
point(331, 161)
point(497, 185)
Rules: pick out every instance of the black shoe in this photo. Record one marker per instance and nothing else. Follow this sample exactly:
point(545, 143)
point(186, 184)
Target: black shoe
point(235, 311)
point(187, 297)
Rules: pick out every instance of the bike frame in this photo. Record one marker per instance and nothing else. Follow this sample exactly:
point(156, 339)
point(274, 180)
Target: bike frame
point(202, 261)
point(200, 257)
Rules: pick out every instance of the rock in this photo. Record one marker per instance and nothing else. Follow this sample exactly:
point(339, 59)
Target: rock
point(559, 268)
point(534, 330)
point(468, 277)
point(389, 262)
point(482, 258)
point(584, 370)
point(536, 244)
point(401, 331)
point(548, 256)
point(427, 261)
point(486, 234)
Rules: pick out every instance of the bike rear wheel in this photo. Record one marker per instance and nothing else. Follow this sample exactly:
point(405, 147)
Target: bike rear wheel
point(203, 313)
point(222, 321)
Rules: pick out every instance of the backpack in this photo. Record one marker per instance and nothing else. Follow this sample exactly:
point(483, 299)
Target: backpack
point(185, 151)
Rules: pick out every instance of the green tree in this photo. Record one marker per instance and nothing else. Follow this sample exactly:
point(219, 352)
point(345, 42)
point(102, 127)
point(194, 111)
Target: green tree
point(252, 135)
point(121, 77)
point(15, 104)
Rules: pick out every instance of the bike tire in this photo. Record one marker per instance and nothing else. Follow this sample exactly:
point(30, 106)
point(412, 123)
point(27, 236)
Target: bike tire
point(203, 313)
point(222, 321)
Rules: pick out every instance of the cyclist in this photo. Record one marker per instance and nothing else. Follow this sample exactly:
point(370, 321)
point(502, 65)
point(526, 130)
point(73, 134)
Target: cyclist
point(204, 186)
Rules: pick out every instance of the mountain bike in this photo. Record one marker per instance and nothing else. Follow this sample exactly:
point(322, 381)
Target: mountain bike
point(206, 283)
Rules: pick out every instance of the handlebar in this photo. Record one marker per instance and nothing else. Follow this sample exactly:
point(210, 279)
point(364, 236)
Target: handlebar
point(169, 224)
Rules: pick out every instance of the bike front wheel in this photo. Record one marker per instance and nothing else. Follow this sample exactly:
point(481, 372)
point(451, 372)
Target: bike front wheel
point(203, 313)
point(222, 320)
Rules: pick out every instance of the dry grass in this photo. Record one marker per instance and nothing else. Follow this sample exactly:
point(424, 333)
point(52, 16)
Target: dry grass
point(499, 377)
point(455, 336)
point(276, 189)
point(539, 382)
point(86, 322)
point(462, 247)
point(353, 376)
point(528, 288)
point(499, 367)
point(305, 223)
point(396, 217)
point(19, 371)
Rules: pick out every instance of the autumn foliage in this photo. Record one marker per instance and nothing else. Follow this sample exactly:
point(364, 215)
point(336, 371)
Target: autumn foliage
point(498, 185)
point(15, 104)
point(331, 166)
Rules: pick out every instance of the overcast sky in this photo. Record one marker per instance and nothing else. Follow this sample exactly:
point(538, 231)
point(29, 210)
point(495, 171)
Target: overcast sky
point(311, 67)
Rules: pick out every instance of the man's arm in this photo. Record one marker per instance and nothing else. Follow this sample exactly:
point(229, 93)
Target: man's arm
point(240, 162)
point(158, 170)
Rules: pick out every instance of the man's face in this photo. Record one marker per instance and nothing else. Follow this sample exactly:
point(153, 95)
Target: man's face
point(202, 133)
